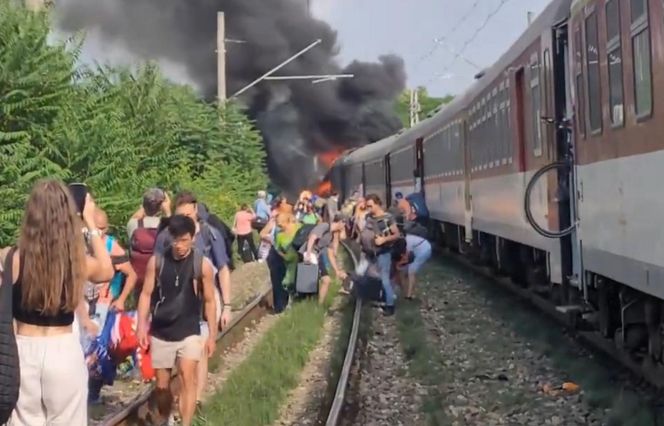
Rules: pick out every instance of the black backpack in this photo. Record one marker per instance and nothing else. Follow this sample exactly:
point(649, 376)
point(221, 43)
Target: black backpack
point(10, 377)
point(417, 229)
point(226, 234)
point(301, 236)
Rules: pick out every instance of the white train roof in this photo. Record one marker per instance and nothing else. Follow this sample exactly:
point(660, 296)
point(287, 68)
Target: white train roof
point(556, 12)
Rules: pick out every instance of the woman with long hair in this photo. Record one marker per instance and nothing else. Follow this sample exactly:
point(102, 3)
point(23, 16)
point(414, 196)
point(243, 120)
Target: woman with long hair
point(49, 271)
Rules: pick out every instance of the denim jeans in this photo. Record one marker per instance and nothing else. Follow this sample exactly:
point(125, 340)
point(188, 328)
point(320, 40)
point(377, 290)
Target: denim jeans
point(385, 266)
point(277, 272)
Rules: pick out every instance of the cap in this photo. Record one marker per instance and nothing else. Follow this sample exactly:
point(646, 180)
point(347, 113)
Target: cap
point(154, 196)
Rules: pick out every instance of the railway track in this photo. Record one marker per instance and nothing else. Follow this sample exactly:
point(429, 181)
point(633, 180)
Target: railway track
point(579, 328)
point(137, 412)
point(339, 402)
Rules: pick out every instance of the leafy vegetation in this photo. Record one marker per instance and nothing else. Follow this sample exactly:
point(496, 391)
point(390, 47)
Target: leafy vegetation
point(119, 130)
point(428, 104)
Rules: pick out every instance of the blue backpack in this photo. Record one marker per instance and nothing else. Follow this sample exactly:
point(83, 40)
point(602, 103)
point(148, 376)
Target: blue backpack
point(418, 205)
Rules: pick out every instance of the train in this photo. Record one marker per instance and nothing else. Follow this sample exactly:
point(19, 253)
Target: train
point(548, 167)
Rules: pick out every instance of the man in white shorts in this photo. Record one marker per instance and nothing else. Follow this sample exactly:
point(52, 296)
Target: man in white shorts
point(173, 281)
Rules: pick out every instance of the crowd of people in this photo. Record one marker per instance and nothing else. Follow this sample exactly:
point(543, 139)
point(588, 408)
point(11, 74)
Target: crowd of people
point(79, 308)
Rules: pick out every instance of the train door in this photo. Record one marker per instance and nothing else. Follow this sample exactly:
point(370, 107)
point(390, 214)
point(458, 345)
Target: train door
point(571, 262)
point(419, 165)
point(363, 185)
point(520, 89)
point(468, 198)
point(388, 181)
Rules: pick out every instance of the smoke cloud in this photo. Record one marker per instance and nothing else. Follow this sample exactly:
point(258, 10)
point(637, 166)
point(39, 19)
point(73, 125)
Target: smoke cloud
point(298, 119)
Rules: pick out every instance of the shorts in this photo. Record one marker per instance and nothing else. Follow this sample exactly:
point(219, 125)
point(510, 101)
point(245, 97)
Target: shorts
point(164, 354)
point(324, 265)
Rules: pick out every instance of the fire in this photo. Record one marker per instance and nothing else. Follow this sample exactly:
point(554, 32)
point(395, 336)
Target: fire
point(324, 189)
point(328, 158)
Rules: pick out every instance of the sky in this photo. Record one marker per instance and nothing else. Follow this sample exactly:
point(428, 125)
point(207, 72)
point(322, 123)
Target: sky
point(409, 28)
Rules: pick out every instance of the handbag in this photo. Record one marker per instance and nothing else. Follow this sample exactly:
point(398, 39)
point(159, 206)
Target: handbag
point(10, 377)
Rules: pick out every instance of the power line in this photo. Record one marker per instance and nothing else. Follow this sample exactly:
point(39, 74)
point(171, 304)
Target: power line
point(472, 38)
point(439, 40)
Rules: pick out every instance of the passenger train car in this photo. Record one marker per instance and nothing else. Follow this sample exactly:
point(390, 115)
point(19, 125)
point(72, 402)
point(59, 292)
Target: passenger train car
point(548, 167)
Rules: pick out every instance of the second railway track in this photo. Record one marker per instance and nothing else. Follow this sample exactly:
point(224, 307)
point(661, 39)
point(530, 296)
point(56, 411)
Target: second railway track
point(137, 412)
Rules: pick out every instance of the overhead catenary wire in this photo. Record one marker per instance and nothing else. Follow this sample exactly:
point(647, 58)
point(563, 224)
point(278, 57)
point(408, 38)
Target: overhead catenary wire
point(438, 41)
point(470, 40)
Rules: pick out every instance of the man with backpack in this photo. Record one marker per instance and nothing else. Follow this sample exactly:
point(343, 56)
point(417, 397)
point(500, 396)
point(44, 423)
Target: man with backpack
point(385, 233)
point(142, 230)
point(175, 282)
point(209, 241)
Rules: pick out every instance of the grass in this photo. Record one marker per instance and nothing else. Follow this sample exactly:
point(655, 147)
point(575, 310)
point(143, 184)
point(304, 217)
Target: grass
point(256, 390)
point(423, 360)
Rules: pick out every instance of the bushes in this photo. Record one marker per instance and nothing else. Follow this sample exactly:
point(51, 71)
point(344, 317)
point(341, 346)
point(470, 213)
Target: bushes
point(118, 130)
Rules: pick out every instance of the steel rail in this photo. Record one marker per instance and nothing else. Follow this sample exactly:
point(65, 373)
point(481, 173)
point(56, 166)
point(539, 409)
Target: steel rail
point(338, 403)
point(121, 416)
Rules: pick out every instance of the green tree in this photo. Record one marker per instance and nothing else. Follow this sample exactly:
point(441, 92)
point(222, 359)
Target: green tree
point(119, 130)
point(428, 104)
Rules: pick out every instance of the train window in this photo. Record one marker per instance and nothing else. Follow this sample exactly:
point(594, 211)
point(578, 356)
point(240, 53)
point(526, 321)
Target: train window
point(640, 34)
point(614, 59)
point(536, 105)
point(580, 104)
point(592, 64)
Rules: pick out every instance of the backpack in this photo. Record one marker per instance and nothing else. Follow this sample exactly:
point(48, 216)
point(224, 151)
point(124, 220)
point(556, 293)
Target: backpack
point(141, 250)
point(166, 312)
point(417, 229)
point(301, 236)
point(10, 378)
point(418, 205)
point(229, 238)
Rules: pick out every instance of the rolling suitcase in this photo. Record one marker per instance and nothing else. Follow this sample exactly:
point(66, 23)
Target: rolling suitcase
point(306, 279)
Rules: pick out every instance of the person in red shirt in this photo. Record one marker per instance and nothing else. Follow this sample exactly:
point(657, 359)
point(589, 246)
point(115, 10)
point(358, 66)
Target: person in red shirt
point(243, 230)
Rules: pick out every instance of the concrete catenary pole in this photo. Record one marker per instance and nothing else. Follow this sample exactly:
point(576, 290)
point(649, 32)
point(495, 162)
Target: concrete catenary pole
point(221, 57)
point(34, 5)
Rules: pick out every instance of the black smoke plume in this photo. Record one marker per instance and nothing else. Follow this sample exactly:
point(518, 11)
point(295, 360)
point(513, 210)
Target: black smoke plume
point(298, 119)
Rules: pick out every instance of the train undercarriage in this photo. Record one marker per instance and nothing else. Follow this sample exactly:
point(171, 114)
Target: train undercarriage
point(631, 321)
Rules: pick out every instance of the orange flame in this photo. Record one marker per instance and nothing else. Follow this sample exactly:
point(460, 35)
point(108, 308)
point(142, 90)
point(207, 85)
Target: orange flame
point(328, 158)
point(324, 189)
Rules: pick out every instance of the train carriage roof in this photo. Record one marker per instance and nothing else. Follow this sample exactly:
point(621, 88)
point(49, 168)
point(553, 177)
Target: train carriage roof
point(557, 11)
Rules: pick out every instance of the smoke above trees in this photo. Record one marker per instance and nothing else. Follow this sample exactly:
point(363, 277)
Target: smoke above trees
point(298, 119)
